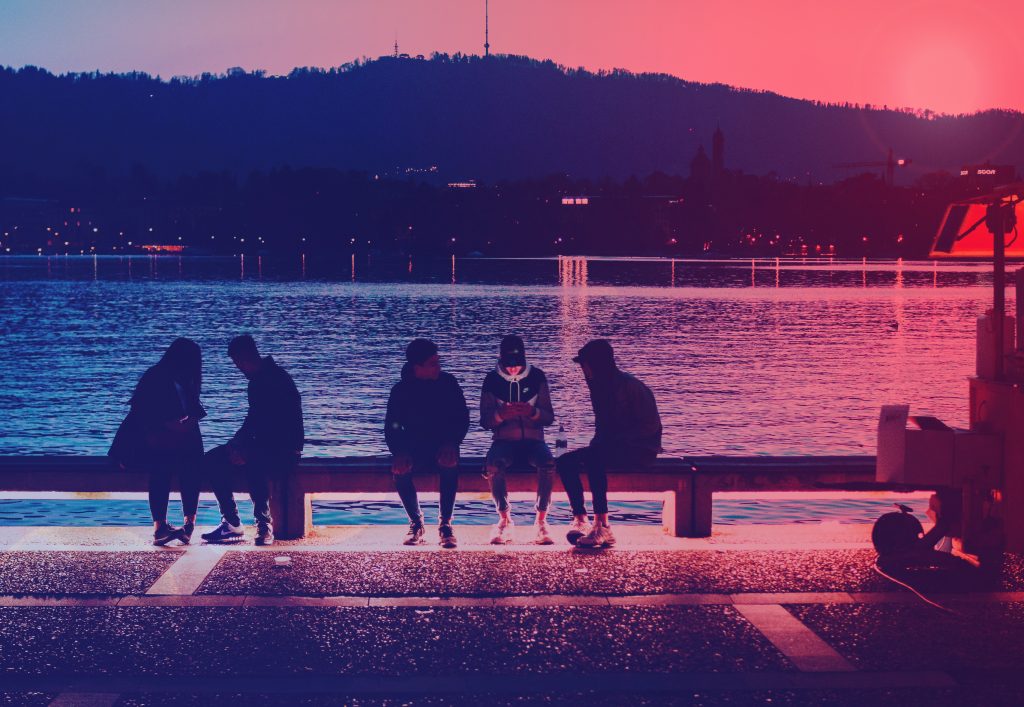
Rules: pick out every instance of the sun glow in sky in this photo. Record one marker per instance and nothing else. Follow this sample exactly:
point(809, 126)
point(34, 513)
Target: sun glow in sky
point(945, 55)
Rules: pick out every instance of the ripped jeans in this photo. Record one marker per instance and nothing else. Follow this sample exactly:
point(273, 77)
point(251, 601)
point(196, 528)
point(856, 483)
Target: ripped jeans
point(504, 454)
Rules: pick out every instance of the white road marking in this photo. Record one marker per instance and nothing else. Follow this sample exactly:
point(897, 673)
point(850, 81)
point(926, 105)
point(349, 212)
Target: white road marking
point(807, 651)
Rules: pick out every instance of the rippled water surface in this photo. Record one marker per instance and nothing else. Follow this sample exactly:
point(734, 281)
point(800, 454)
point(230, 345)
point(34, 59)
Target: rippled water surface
point(744, 357)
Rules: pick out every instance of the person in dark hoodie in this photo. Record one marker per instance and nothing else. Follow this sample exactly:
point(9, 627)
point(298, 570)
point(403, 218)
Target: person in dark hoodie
point(266, 447)
point(627, 433)
point(161, 436)
point(426, 421)
point(515, 405)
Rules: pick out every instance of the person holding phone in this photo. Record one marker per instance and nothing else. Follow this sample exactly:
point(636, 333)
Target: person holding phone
point(515, 405)
point(161, 436)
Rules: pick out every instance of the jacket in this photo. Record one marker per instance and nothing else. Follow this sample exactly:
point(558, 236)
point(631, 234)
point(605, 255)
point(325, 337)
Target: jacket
point(530, 386)
point(144, 436)
point(274, 422)
point(625, 414)
point(424, 415)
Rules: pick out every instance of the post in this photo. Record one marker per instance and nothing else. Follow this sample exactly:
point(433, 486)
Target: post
point(291, 508)
point(1020, 311)
point(996, 221)
point(687, 509)
point(677, 513)
point(702, 506)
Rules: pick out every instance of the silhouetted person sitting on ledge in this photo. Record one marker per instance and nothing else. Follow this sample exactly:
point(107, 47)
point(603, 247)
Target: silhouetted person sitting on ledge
point(627, 433)
point(515, 404)
point(426, 421)
point(265, 448)
point(161, 436)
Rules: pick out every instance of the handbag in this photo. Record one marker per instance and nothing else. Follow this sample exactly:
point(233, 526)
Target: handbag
point(128, 440)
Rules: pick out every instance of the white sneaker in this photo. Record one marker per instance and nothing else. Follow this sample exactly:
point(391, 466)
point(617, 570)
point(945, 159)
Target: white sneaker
point(577, 529)
point(501, 534)
point(543, 536)
point(579, 525)
point(599, 536)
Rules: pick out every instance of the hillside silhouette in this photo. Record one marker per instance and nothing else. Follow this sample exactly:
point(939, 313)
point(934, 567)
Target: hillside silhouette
point(471, 117)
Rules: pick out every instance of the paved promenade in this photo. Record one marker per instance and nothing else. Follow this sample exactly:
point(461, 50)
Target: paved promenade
point(756, 614)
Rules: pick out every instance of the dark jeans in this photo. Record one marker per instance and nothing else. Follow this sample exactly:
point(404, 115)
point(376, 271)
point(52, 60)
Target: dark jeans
point(595, 462)
point(260, 469)
point(427, 464)
point(160, 475)
point(504, 454)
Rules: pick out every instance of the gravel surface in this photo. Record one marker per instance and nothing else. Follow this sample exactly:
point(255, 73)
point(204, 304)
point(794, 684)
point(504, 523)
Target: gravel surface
point(203, 641)
point(81, 573)
point(26, 699)
point(981, 637)
point(572, 572)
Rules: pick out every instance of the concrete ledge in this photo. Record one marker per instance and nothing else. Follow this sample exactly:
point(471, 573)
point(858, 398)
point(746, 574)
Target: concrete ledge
point(179, 600)
point(670, 600)
point(792, 598)
point(305, 601)
point(687, 483)
point(432, 602)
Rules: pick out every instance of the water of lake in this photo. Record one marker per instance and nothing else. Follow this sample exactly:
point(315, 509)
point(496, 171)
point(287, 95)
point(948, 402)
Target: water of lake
point(745, 357)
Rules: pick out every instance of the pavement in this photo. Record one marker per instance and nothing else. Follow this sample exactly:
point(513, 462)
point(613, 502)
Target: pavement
point(786, 615)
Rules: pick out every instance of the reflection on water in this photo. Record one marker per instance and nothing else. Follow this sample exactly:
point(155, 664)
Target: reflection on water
point(762, 357)
point(135, 512)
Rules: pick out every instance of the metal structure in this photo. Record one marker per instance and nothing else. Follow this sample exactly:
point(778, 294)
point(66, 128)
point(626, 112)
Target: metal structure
point(890, 164)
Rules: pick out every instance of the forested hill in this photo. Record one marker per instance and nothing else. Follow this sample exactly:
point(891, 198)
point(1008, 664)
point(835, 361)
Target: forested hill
point(493, 118)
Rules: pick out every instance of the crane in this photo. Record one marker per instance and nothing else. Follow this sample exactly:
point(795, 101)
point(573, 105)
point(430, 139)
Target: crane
point(890, 165)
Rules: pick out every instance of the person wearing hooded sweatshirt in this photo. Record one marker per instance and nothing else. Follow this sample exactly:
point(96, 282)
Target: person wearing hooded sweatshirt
point(627, 433)
point(426, 421)
point(266, 447)
point(515, 405)
point(161, 436)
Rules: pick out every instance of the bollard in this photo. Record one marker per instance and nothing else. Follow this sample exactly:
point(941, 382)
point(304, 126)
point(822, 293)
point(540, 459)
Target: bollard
point(1020, 310)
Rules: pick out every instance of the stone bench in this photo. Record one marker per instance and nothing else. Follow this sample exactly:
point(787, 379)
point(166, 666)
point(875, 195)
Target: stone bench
point(686, 484)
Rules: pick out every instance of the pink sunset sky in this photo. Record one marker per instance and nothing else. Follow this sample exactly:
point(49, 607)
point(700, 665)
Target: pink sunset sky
point(947, 55)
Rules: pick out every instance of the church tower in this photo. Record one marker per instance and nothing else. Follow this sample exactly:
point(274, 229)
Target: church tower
point(718, 152)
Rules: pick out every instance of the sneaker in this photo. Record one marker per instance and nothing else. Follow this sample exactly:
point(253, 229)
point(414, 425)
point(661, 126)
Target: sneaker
point(185, 534)
point(501, 534)
point(265, 535)
point(415, 534)
point(165, 534)
point(225, 532)
point(599, 536)
point(577, 529)
point(447, 536)
point(543, 536)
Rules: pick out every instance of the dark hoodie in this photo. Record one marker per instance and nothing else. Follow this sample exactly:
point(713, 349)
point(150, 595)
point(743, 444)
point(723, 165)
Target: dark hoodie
point(625, 413)
point(274, 422)
point(424, 415)
point(530, 386)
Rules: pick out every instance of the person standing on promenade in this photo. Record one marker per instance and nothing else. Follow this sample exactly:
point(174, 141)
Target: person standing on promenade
point(267, 446)
point(515, 404)
point(627, 433)
point(161, 436)
point(426, 421)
